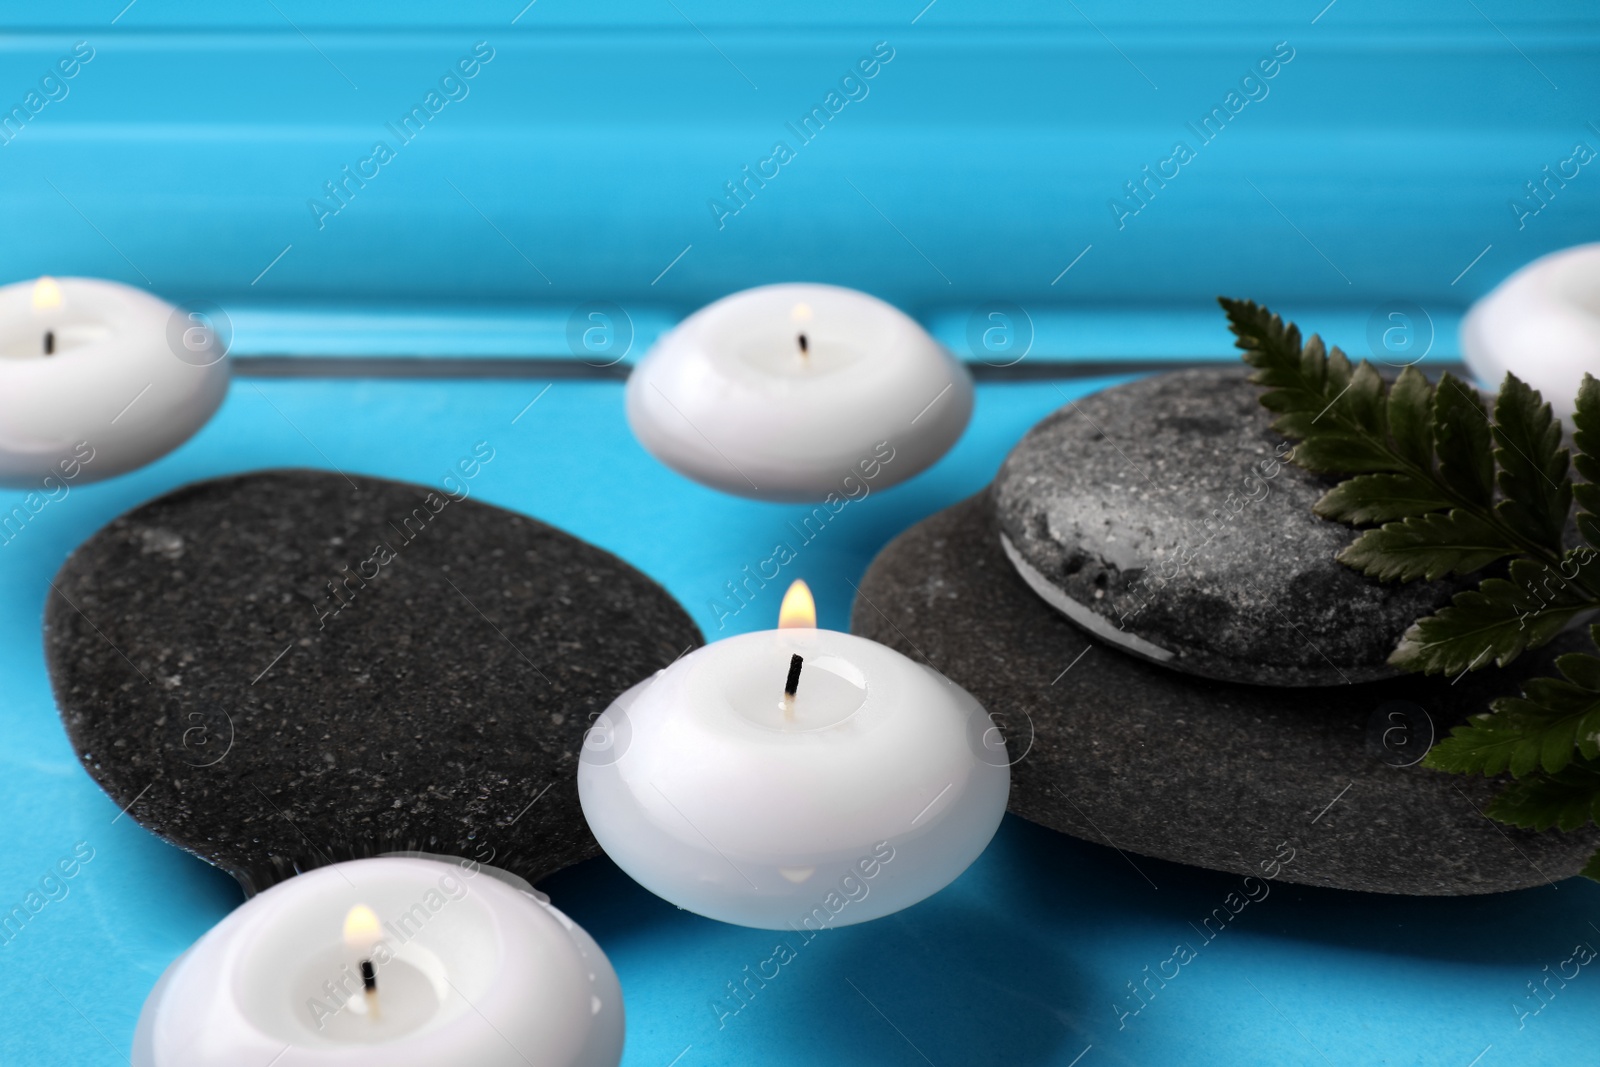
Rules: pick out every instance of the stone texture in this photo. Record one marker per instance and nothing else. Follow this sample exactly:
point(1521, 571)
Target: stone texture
point(1161, 516)
point(1119, 751)
point(205, 678)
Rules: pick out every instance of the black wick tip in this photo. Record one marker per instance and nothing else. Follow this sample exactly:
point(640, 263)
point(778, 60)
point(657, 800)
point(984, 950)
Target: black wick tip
point(794, 675)
point(50, 343)
point(369, 977)
point(805, 345)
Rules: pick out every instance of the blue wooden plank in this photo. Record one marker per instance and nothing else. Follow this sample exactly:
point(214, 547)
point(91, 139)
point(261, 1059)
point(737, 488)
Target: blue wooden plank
point(582, 162)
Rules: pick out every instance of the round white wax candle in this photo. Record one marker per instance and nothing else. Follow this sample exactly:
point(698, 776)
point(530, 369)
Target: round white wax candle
point(98, 378)
point(470, 969)
point(877, 785)
point(733, 398)
point(1541, 324)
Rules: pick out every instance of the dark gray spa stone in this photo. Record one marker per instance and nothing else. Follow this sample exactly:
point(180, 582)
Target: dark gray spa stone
point(203, 682)
point(1119, 751)
point(1161, 516)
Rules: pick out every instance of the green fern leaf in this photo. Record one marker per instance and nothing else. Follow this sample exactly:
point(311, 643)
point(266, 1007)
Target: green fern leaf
point(1563, 801)
point(1533, 466)
point(1426, 546)
point(1369, 498)
point(1461, 437)
point(1494, 623)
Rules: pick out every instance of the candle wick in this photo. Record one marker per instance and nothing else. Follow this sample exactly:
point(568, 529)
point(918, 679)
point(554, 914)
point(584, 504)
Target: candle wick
point(805, 345)
point(369, 984)
point(49, 342)
point(790, 685)
point(793, 682)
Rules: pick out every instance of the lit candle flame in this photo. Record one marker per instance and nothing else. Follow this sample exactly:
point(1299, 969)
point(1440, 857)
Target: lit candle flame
point(798, 610)
point(362, 930)
point(46, 294)
point(801, 314)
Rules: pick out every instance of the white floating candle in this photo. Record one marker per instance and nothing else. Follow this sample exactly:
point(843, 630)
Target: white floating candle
point(1541, 324)
point(793, 392)
point(464, 967)
point(794, 778)
point(98, 378)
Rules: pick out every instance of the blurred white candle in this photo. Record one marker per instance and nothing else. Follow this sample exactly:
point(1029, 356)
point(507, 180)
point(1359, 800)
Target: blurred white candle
point(470, 969)
point(785, 391)
point(1541, 324)
point(97, 378)
point(870, 789)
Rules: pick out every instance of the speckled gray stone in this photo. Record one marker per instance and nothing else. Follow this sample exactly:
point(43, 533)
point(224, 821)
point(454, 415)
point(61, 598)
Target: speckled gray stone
point(1161, 516)
point(205, 679)
point(1116, 750)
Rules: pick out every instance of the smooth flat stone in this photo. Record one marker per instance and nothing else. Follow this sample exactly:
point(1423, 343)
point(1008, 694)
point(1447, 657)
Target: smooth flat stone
point(1161, 516)
point(206, 678)
point(1117, 750)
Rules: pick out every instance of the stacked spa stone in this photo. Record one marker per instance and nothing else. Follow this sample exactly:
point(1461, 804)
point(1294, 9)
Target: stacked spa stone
point(1145, 598)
